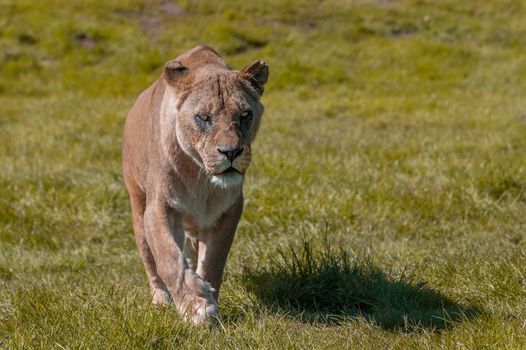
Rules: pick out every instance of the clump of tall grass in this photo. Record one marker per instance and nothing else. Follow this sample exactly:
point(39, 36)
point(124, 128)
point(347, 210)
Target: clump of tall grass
point(321, 283)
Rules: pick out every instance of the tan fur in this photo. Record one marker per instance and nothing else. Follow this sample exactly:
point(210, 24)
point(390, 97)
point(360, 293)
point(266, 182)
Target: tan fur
point(185, 210)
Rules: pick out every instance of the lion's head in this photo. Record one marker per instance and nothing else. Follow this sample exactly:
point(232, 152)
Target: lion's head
point(214, 112)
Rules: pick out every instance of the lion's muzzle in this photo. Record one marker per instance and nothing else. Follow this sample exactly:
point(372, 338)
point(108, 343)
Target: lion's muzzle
point(231, 152)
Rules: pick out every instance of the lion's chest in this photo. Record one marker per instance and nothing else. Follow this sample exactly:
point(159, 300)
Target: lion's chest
point(203, 208)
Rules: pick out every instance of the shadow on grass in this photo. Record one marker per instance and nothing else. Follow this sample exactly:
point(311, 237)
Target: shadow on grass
point(326, 286)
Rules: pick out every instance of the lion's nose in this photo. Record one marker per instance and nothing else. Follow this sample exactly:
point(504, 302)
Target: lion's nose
point(231, 152)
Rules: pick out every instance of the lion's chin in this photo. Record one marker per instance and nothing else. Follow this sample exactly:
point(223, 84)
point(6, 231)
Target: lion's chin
point(227, 180)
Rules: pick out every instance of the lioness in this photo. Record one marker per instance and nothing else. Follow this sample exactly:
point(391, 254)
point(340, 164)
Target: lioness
point(186, 148)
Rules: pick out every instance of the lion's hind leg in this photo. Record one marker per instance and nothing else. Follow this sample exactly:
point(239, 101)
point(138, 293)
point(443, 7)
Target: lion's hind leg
point(191, 251)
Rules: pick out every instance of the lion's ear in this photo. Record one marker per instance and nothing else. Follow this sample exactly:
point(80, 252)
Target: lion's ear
point(257, 74)
point(175, 73)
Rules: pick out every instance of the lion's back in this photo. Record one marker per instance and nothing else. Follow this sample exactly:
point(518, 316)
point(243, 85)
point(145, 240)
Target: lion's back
point(137, 133)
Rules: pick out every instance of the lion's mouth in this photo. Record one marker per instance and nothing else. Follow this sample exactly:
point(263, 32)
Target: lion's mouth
point(230, 170)
point(227, 171)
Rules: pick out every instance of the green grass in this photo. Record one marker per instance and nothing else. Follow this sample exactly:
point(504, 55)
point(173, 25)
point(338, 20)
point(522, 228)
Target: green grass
point(326, 286)
point(393, 129)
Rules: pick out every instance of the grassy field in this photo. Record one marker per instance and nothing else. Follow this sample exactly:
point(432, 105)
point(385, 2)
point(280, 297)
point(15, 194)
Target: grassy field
point(386, 202)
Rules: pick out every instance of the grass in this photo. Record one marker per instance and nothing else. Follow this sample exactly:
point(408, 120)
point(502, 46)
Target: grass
point(385, 202)
point(326, 286)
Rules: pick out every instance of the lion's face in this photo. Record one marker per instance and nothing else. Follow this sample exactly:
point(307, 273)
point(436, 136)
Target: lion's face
point(216, 122)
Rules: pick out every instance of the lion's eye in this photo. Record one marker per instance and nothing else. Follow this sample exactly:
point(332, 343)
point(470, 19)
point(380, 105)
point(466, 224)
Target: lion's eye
point(245, 114)
point(203, 117)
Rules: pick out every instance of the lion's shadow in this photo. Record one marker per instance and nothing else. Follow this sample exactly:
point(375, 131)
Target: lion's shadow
point(328, 287)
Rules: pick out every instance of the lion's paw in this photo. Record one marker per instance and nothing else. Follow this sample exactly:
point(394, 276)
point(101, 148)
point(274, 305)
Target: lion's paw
point(161, 297)
point(204, 313)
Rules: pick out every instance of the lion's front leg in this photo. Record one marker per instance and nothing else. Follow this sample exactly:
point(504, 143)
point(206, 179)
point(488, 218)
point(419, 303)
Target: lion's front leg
point(214, 245)
point(164, 233)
